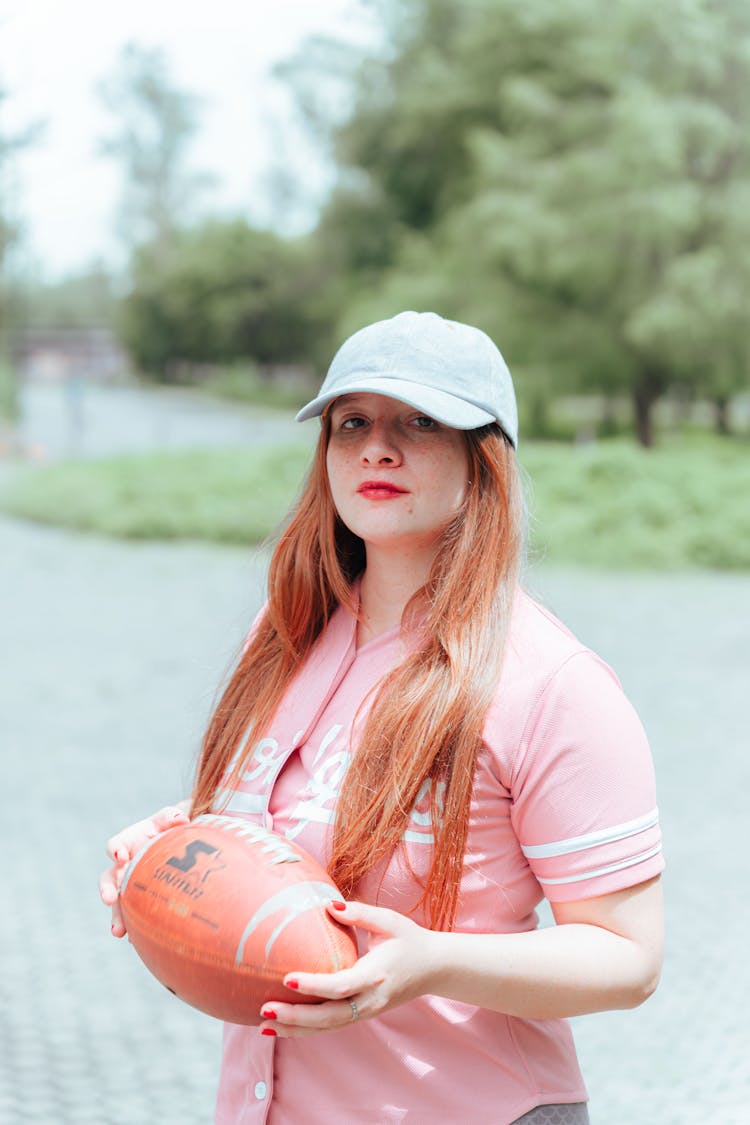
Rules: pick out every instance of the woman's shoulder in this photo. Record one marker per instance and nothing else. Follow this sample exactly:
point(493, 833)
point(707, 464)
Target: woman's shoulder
point(544, 665)
point(538, 641)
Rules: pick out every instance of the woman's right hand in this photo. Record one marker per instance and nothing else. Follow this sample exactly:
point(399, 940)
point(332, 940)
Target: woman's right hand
point(124, 845)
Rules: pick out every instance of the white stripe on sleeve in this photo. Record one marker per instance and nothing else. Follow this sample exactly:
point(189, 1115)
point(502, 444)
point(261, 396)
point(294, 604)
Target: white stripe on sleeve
point(239, 802)
point(593, 839)
point(631, 862)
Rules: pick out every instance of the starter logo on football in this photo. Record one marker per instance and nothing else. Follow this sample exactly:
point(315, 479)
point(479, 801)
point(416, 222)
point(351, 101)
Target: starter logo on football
point(190, 870)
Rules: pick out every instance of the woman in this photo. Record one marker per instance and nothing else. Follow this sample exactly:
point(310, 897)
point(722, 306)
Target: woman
point(451, 752)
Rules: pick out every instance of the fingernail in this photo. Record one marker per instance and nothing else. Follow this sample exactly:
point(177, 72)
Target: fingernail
point(292, 984)
point(269, 1015)
point(268, 1031)
point(338, 905)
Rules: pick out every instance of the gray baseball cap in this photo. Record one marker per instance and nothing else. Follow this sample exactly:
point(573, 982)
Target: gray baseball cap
point(451, 371)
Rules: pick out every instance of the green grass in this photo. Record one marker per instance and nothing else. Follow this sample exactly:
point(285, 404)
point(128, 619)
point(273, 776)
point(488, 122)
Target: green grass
point(225, 496)
point(684, 504)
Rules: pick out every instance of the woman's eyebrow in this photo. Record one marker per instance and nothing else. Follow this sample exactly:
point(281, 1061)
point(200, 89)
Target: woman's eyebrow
point(348, 399)
point(345, 402)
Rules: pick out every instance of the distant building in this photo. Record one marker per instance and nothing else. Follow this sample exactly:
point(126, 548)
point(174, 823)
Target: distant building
point(57, 354)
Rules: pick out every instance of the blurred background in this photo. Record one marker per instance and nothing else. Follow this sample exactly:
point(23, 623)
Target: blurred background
point(196, 207)
point(209, 206)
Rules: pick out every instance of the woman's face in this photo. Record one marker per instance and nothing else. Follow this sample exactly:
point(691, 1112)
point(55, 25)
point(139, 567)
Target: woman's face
point(397, 477)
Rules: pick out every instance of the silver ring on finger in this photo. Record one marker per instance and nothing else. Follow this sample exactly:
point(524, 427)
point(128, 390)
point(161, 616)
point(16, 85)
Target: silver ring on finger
point(355, 1010)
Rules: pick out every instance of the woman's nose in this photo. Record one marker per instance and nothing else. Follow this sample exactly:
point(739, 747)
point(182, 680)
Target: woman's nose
point(380, 448)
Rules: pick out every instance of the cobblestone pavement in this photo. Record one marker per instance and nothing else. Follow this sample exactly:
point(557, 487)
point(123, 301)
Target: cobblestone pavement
point(680, 647)
point(110, 656)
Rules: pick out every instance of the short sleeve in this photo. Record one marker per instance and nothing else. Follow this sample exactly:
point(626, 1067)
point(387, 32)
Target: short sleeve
point(583, 790)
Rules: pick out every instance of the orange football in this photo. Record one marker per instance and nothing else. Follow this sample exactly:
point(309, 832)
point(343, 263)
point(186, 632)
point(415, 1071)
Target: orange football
point(220, 910)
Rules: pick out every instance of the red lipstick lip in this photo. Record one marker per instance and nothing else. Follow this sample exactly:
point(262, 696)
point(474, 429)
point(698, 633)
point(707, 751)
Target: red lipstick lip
point(381, 486)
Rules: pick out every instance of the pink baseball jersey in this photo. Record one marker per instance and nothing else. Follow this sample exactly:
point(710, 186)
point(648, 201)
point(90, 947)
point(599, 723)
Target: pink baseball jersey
point(563, 807)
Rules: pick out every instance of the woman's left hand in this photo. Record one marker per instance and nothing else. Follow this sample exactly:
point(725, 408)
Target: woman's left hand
point(396, 968)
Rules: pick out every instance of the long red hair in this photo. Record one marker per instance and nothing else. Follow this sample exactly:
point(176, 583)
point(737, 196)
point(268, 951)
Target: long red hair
point(427, 717)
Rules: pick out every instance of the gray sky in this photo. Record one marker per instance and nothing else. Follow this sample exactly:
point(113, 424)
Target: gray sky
point(54, 52)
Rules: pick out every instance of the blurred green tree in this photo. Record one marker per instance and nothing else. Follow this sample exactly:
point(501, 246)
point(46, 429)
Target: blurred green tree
point(151, 140)
point(9, 222)
point(577, 186)
point(82, 300)
point(225, 291)
point(10, 233)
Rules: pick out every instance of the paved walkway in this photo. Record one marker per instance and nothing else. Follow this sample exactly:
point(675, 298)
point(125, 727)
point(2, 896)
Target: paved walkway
point(110, 656)
point(120, 419)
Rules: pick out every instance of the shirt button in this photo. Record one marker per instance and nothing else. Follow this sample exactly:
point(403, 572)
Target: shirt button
point(260, 1090)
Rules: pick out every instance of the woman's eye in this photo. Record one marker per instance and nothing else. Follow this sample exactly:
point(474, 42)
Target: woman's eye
point(352, 423)
point(422, 422)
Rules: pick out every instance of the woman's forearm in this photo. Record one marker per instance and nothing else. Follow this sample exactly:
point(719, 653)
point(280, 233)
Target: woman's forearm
point(566, 970)
point(603, 953)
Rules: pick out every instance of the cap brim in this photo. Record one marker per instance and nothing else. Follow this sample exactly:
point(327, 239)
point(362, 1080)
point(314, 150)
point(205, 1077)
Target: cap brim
point(440, 405)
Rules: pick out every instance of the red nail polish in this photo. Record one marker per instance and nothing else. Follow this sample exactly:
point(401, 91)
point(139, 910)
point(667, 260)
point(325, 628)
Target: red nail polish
point(338, 905)
point(269, 1015)
point(292, 984)
point(268, 1031)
